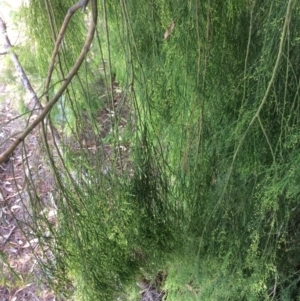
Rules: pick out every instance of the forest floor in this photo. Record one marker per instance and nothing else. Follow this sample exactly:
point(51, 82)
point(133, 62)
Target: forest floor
point(21, 277)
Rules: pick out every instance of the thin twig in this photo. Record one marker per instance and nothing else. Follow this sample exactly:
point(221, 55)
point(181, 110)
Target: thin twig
point(58, 42)
point(9, 234)
point(256, 115)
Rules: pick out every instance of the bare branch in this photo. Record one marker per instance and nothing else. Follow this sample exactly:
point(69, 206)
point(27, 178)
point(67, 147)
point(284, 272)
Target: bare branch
point(4, 156)
point(25, 81)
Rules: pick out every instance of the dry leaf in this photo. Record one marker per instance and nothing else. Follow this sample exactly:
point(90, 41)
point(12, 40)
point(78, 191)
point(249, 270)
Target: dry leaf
point(14, 207)
point(13, 250)
point(27, 245)
point(169, 30)
point(13, 195)
point(34, 241)
point(13, 178)
point(9, 189)
point(5, 210)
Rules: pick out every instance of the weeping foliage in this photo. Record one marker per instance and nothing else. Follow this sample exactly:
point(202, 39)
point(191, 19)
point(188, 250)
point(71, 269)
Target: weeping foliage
point(209, 187)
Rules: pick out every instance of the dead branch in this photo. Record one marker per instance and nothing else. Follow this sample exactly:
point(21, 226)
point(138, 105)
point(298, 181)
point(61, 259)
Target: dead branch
point(34, 103)
point(4, 156)
point(20, 70)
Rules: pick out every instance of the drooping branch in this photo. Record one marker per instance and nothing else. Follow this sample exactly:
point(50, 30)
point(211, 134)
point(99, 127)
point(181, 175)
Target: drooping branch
point(60, 36)
point(92, 27)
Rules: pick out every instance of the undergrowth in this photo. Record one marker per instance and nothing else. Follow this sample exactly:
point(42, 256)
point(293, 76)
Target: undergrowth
point(210, 193)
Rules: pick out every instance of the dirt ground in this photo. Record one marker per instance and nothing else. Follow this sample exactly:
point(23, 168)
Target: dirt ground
point(21, 277)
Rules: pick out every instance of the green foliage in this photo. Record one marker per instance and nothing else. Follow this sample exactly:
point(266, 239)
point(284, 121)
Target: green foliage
point(228, 169)
point(213, 195)
point(43, 21)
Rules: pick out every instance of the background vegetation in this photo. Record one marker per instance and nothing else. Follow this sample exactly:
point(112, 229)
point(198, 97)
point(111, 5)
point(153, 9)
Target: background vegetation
point(207, 191)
